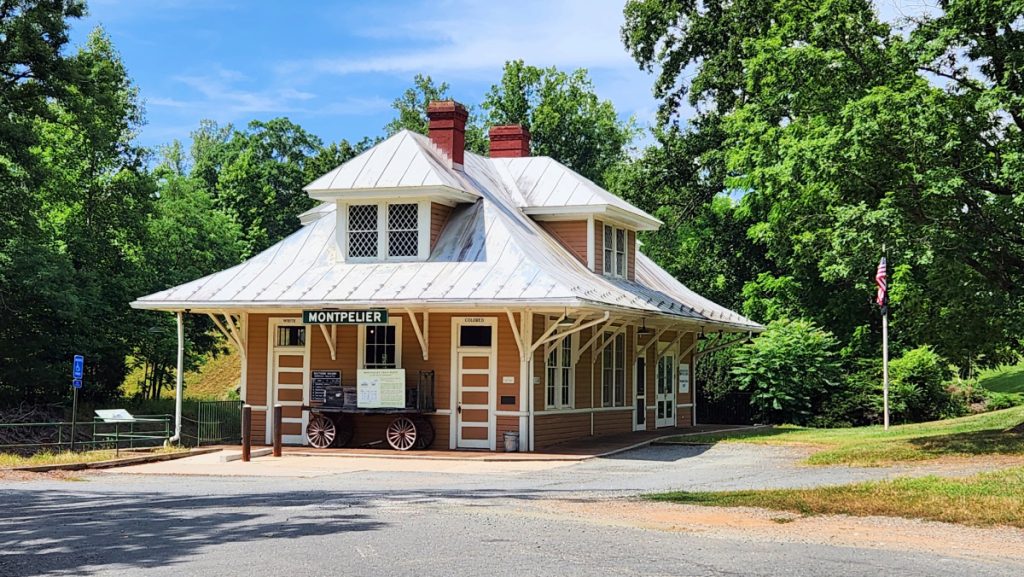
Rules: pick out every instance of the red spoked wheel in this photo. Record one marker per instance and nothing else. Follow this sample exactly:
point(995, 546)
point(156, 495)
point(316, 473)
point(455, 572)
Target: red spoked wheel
point(401, 434)
point(320, 432)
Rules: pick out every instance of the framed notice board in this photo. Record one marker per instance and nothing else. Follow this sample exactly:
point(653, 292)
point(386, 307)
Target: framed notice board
point(320, 381)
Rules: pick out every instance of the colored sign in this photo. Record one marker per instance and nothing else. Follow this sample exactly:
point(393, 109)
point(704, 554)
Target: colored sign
point(77, 383)
point(78, 369)
point(360, 317)
point(320, 381)
point(380, 388)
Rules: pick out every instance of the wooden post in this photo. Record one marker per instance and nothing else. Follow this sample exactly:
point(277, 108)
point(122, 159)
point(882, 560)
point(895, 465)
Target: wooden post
point(278, 410)
point(246, 433)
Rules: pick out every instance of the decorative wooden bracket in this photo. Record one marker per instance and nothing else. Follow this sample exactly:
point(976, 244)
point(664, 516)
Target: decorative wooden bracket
point(422, 334)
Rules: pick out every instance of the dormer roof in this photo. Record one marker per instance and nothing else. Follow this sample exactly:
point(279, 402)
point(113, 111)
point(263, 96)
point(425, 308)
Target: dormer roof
point(406, 164)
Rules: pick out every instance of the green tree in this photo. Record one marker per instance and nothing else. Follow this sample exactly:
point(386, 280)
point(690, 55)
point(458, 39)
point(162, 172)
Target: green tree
point(411, 107)
point(566, 119)
point(789, 369)
point(75, 266)
point(840, 134)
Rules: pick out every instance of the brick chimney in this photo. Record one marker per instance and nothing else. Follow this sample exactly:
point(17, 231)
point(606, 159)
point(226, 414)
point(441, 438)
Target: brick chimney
point(448, 128)
point(512, 141)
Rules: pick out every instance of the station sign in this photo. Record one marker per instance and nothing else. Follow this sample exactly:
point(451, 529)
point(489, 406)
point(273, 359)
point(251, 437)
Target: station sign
point(341, 317)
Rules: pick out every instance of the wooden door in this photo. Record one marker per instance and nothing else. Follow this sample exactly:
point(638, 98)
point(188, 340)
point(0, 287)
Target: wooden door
point(473, 411)
point(665, 379)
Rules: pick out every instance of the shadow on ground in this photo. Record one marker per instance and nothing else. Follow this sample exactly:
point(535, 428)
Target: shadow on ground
point(987, 442)
point(65, 532)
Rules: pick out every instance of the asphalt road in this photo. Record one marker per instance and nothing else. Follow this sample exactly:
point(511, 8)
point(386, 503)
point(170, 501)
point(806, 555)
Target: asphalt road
point(422, 524)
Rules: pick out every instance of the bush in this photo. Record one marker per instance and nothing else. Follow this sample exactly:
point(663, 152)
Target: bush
point(790, 369)
point(919, 388)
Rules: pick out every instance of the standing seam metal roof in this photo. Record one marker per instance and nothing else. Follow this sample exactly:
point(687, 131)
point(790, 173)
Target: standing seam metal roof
point(489, 251)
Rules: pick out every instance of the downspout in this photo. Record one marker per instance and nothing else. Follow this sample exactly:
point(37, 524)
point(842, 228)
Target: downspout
point(179, 384)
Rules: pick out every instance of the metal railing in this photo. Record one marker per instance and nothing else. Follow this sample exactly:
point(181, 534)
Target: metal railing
point(211, 423)
point(143, 431)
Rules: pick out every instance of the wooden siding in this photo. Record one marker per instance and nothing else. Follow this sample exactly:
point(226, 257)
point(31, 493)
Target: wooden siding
point(256, 374)
point(558, 428)
point(599, 246)
point(571, 234)
point(439, 214)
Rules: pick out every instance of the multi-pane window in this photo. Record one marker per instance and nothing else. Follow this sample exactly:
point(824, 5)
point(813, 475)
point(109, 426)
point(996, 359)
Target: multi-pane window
point(381, 350)
point(384, 231)
point(290, 336)
point(615, 246)
point(403, 233)
point(362, 231)
point(613, 373)
point(560, 374)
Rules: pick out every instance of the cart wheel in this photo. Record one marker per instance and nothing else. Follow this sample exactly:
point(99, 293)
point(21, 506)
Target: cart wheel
point(401, 434)
point(346, 430)
point(426, 433)
point(320, 431)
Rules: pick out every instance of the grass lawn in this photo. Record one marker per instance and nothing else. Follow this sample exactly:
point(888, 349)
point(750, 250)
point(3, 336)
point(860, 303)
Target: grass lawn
point(1006, 379)
point(984, 499)
point(66, 457)
point(995, 433)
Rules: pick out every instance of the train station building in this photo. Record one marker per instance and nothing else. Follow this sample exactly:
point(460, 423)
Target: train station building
point(440, 299)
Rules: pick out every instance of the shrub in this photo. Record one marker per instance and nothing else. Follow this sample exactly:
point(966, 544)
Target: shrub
point(919, 388)
point(789, 370)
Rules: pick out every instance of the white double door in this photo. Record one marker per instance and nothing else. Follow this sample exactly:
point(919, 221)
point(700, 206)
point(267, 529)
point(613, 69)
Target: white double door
point(665, 391)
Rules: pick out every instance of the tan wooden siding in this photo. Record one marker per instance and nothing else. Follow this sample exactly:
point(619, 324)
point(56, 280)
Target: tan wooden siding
point(599, 246)
point(439, 214)
point(631, 255)
point(538, 365)
point(572, 234)
point(611, 422)
point(557, 428)
point(256, 374)
point(508, 366)
point(585, 373)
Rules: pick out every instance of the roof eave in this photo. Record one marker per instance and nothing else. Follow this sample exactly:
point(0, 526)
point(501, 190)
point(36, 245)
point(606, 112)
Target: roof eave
point(608, 211)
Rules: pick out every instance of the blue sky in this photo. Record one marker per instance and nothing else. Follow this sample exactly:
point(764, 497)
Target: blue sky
point(335, 67)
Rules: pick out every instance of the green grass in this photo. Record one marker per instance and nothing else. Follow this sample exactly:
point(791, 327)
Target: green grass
point(216, 380)
point(1005, 379)
point(982, 500)
point(994, 433)
point(8, 460)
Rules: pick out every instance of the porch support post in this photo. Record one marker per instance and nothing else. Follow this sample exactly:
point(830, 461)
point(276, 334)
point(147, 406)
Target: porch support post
point(420, 335)
point(526, 377)
point(331, 342)
point(180, 380)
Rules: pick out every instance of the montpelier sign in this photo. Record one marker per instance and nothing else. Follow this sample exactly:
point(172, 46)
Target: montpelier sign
point(363, 317)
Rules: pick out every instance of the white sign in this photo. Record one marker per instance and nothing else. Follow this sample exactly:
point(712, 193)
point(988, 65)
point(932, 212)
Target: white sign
point(380, 388)
point(508, 380)
point(684, 378)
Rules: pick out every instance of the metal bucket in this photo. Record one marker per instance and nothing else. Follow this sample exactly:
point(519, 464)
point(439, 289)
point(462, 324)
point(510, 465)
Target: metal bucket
point(511, 441)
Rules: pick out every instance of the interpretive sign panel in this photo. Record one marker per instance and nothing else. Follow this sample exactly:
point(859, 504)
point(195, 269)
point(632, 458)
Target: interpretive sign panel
point(380, 388)
point(320, 381)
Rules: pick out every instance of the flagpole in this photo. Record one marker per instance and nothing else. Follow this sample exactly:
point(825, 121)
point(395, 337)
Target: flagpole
point(885, 366)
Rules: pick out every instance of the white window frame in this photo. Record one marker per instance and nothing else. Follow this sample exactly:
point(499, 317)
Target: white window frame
point(559, 384)
point(612, 349)
point(610, 268)
point(422, 225)
point(361, 343)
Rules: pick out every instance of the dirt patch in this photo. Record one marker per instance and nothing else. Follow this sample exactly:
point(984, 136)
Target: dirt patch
point(997, 543)
point(12, 475)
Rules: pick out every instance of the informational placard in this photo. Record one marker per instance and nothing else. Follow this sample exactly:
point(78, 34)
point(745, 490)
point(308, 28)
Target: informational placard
point(320, 381)
point(380, 388)
point(684, 378)
point(338, 317)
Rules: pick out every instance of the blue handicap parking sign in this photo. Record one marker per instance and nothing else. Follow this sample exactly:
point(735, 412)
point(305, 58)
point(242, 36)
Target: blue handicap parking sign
point(77, 383)
point(79, 369)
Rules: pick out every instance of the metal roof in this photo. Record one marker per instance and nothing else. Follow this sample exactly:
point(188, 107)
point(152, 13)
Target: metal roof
point(545, 183)
point(489, 254)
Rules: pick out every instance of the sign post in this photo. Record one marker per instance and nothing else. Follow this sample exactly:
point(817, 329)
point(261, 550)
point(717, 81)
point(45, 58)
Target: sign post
point(77, 371)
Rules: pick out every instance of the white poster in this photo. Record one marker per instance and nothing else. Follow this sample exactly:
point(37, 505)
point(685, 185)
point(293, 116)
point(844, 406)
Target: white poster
point(380, 388)
point(684, 378)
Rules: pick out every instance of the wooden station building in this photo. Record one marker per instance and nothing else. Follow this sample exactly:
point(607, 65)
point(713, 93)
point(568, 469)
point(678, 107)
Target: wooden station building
point(509, 285)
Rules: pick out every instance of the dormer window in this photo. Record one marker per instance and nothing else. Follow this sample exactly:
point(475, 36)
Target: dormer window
point(387, 231)
point(615, 251)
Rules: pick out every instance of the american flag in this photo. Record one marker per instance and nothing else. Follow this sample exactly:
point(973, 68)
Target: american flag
point(882, 298)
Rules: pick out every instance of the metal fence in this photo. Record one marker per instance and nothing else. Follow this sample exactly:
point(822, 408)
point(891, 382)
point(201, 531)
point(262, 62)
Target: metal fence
point(202, 423)
point(211, 423)
point(142, 431)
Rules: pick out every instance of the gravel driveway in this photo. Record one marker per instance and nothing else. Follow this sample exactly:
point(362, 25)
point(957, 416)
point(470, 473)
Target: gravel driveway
point(564, 519)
